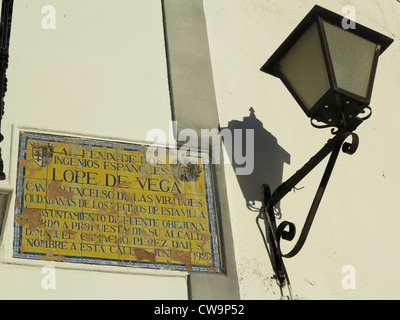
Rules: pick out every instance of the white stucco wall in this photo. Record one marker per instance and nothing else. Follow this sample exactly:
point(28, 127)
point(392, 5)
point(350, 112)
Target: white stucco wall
point(357, 222)
point(100, 73)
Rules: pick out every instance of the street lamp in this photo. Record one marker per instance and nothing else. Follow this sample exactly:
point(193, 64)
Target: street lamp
point(330, 72)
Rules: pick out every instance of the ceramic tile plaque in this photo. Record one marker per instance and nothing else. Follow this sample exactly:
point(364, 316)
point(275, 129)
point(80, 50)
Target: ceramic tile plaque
point(100, 202)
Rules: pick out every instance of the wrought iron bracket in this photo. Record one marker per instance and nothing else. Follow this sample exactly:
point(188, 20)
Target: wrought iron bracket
point(287, 230)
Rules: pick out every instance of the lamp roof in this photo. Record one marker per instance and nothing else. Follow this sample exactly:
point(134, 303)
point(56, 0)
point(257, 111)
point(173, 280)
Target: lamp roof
point(311, 17)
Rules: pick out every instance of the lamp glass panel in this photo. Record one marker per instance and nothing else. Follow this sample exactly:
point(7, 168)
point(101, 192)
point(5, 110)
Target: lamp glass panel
point(304, 68)
point(352, 58)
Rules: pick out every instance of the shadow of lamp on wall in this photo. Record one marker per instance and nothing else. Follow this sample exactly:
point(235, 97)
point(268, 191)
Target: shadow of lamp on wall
point(330, 72)
point(267, 160)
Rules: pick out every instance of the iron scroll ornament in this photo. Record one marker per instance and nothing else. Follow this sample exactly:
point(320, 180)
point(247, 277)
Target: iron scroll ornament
point(287, 230)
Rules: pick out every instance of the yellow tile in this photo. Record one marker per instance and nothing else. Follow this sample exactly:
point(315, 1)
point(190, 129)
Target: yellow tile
point(202, 243)
point(202, 258)
point(163, 256)
point(62, 229)
point(29, 168)
point(62, 234)
point(138, 254)
point(62, 196)
point(30, 219)
point(101, 251)
point(106, 175)
point(67, 168)
point(32, 194)
point(182, 258)
point(195, 187)
point(132, 156)
point(111, 203)
point(142, 240)
point(32, 246)
point(72, 249)
point(99, 224)
point(104, 153)
point(68, 145)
